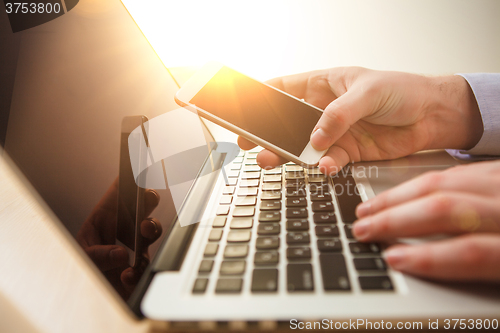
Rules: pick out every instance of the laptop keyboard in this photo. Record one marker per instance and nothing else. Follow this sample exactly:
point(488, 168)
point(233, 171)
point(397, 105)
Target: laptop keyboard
point(252, 209)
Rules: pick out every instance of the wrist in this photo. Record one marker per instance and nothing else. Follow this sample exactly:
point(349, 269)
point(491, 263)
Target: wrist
point(453, 113)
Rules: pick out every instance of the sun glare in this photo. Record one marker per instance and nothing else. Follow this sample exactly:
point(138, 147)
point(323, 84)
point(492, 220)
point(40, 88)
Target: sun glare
point(240, 34)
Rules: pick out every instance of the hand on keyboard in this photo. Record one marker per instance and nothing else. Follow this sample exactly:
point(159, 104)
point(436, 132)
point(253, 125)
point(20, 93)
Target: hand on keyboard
point(97, 238)
point(376, 115)
point(462, 201)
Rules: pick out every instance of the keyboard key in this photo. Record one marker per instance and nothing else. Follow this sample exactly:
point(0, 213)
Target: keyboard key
point(250, 168)
point(226, 199)
point(316, 189)
point(229, 285)
point(299, 277)
point(231, 181)
point(334, 271)
point(348, 231)
point(329, 245)
point(275, 171)
point(233, 174)
point(252, 156)
point(251, 175)
point(236, 166)
point(236, 251)
point(249, 183)
point(215, 235)
point(321, 196)
point(271, 187)
point(375, 283)
point(211, 249)
point(314, 171)
point(297, 225)
point(266, 258)
point(238, 236)
point(243, 211)
point(322, 206)
point(238, 160)
point(327, 231)
point(267, 243)
point(270, 195)
point(358, 248)
point(268, 229)
point(232, 267)
point(296, 213)
point(241, 222)
point(369, 264)
point(294, 176)
point(318, 179)
point(248, 191)
point(270, 205)
point(297, 238)
point(296, 202)
point(206, 266)
point(272, 178)
point(265, 280)
point(200, 285)
point(292, 193)
point(294, 168)
point(246, 201)
point(222, 210)
point(228, 190)
point(219, 221)
point(348, 198)
point(298, 184)
point(251, 162)
point(296, 253)
point(324, 218)
point(271, 216)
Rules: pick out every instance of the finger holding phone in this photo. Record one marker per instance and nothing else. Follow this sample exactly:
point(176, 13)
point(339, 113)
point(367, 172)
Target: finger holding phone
point(376, 115)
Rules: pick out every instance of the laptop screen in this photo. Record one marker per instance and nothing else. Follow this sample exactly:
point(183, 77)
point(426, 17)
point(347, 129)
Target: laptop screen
point(68, 90)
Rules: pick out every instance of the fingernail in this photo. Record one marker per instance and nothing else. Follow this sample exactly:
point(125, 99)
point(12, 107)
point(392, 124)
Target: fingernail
point(395, 257)
point(321, 139)
point(118, 255)
point(361, 229)
point(363, 209)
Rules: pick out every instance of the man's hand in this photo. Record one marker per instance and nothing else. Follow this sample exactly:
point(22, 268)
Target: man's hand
point(374, 115)
point(462, 201)
point(98, 234)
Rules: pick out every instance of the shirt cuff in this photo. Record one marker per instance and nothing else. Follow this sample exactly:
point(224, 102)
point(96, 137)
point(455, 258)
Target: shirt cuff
point(486, 89)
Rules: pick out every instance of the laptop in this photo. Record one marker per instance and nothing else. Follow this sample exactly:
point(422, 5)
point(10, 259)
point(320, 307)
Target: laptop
point(273, 248)
point(276, 245)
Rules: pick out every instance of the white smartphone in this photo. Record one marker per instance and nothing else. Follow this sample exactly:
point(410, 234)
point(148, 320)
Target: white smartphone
point(130, 196)
point(254, 110)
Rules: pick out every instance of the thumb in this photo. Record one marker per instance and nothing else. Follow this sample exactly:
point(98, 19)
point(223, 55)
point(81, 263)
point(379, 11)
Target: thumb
point(107, 257)
point(338, 116)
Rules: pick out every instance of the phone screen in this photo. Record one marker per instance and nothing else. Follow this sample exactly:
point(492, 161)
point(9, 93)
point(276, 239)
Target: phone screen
point(129, 195)
point(258, 109)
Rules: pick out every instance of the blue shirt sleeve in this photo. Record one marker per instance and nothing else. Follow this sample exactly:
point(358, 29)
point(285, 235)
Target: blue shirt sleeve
point(486, 89)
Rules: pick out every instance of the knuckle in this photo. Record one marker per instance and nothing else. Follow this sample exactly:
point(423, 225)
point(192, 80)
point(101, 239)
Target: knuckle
point(425, 262)
point(336, 114)
point(439, 204)
point(473, 252)
point(432, 181)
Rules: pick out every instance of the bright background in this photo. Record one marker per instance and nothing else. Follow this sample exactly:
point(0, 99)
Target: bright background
point(271, 38)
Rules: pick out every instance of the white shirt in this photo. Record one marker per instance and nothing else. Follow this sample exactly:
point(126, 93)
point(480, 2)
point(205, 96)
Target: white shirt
point(486, 89)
